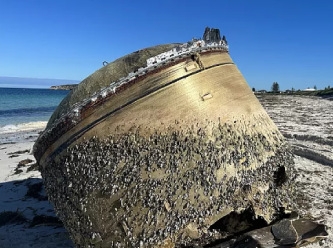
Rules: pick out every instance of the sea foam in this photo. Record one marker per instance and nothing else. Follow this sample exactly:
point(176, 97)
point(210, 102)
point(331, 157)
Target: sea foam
point(23, 127)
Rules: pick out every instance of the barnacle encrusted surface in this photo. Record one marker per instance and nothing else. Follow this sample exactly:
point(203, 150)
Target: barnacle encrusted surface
point(158, 163)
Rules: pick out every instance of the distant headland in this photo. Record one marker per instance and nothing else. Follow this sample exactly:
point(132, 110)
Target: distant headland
point(20, 82)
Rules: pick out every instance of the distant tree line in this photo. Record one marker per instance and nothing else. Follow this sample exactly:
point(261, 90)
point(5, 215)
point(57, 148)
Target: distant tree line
point(275, 88)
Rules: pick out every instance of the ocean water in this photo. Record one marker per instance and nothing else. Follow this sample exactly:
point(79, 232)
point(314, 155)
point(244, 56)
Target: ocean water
point(26, 107)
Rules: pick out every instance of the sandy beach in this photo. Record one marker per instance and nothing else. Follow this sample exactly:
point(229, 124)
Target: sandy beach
point(27, 219)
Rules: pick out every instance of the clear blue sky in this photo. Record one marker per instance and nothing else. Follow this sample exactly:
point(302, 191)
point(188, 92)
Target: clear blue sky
point(287, 41)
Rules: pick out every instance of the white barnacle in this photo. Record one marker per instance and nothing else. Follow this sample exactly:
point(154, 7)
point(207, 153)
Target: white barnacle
point(76, 111)
point(104, 93)
point(94, 98)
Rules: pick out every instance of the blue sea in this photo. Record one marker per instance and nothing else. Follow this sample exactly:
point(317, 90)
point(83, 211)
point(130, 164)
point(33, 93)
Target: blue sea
point(27, 106)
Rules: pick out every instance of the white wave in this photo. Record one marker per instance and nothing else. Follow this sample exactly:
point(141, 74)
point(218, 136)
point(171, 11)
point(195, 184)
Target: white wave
point(8, 128)
point(37, 125)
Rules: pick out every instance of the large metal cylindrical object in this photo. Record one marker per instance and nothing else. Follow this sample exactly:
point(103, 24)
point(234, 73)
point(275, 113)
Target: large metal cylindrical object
point(161, 159)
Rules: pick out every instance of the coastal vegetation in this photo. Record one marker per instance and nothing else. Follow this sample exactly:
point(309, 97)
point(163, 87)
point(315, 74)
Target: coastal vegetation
point(275, 87)
point(328, 92)
point(11, 217)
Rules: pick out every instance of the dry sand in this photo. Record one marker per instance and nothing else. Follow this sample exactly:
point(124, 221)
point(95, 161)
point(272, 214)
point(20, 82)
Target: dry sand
point(306, 122)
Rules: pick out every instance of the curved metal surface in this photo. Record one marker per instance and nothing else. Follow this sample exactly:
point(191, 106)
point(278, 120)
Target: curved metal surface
point(162, 160)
